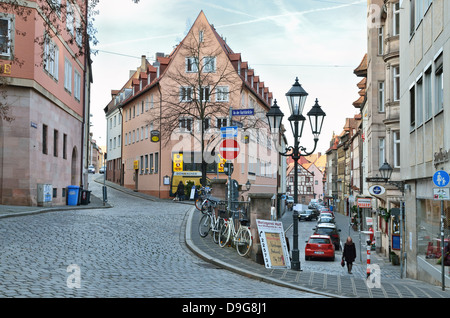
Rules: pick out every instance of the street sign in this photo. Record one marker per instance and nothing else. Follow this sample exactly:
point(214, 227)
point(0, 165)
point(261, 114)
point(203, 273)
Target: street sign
point(229, 149)
point(375, 179)
point(229, 132)
point(376, 190)
point(364, 202)
point(242, 112)
point(441, 178)
point(441, 193)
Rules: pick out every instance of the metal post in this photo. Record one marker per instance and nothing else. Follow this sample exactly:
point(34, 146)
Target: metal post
point(295, 252)
point(229, 174)
point(442, 246)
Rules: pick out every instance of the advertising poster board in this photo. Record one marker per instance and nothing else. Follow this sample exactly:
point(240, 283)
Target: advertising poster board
point(273, 244)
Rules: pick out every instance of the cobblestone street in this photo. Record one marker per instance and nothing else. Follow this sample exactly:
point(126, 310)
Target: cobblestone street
point(134, 249)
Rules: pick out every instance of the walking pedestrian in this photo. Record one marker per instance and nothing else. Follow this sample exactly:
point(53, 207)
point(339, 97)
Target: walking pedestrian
point(349, 253)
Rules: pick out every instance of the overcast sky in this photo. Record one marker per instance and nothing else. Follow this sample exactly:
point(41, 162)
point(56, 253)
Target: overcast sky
point(319, 41)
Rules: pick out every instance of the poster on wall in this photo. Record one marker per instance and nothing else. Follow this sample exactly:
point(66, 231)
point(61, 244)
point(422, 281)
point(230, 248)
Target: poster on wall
point(273, 244)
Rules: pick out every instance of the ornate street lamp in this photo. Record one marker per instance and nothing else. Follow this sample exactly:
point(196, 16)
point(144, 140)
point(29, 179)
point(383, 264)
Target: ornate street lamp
point(296, 98)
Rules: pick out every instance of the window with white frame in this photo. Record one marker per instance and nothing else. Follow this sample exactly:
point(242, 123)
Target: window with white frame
point(185, 94)
point(396, 15)
point(185, 124)
point(381, 97)
point(428, 94)
point(68, 75)
point(191, 64)
point(205, 94)
point(5, 36)
point(77, 86)
point(439, 83)
point(209, 64)
point(70, 18)
point(380, 41)
point(396, 146)
point(221, 122)
point(222, 94)
point(412, 108)
point(396, 79)
point(382, 151)
point(51, 57)
point(419, 102)
point(78, 31)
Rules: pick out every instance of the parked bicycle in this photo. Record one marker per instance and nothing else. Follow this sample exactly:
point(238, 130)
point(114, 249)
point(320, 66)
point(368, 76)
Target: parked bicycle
point(240, 237)
point(203, 194)
point(210, 221)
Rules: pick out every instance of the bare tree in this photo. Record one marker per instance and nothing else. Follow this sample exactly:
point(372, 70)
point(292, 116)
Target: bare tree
point(205, 87)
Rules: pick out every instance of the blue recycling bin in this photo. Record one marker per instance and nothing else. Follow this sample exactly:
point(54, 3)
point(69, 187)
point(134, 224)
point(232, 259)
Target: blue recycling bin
point(72, 195)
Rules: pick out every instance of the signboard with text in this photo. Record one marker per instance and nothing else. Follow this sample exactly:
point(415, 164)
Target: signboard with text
point(177, 162)
point(273, 244)
point(364, 202)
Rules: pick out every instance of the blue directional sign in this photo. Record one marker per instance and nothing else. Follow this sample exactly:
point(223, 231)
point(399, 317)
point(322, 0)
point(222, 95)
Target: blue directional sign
point(441, 178)
point(242, 112)
point(229, 132)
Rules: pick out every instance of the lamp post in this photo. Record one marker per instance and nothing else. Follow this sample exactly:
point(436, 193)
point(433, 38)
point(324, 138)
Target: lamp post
point(296, 98)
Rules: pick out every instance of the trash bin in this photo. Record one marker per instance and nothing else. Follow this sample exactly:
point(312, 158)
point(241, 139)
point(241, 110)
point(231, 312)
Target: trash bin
point(72, 195)
point(85, 197)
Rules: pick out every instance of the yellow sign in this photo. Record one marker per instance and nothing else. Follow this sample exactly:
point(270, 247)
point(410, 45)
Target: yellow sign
point(177, 162)
point(221, 163)
point(136, 164)
point(5, 69)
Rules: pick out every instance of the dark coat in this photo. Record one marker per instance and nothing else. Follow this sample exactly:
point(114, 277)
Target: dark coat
point(180, 189)
point(349, 253)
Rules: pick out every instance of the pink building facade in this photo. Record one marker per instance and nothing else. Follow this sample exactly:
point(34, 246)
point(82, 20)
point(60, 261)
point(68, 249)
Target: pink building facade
point(43, 82)
point(159, 92)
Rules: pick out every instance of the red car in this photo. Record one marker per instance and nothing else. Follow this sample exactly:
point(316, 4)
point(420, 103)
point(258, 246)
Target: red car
point(319, 246)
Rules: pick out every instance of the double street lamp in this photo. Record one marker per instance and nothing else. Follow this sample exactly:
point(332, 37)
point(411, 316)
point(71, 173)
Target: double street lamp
point(296, 98)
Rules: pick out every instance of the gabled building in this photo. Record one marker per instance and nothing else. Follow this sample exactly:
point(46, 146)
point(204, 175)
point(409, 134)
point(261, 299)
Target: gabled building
point(170, 120)
point(45, 77)
point(305, 181)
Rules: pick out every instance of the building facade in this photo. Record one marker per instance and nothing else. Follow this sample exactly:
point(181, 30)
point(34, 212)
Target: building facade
point(170, 120)
point(424, 114)
point(45, 82)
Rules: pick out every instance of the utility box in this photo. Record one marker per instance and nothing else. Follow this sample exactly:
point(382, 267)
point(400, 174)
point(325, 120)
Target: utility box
point(44, 194)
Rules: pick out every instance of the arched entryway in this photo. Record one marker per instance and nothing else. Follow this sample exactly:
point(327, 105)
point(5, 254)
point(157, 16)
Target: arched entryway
point(74, 167)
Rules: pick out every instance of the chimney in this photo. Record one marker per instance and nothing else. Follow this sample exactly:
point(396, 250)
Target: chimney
point(143, 63)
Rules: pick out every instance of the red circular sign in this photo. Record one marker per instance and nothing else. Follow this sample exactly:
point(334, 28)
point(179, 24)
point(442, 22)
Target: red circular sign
point(229, 149)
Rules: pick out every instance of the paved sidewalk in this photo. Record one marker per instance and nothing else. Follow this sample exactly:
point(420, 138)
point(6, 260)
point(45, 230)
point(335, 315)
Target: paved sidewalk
point(318, 282)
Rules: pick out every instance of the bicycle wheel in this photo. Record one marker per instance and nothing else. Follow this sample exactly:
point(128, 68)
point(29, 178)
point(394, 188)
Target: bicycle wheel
point(244, 241)
point(199, 204)
point(204, 225)
point(216, 230)
point(224, 234)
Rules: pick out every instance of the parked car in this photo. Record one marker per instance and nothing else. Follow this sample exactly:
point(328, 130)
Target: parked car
point(326, 214)
point(319, 246)
point(331, 230)
point(91, 169)
point(326, 219)
point(307, 215)
point(102, 169)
